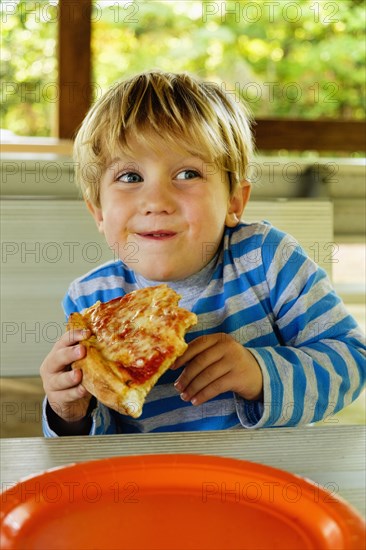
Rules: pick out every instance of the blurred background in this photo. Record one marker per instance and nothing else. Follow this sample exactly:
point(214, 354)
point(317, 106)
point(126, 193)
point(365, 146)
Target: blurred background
point(298, 65)
point(302, 59)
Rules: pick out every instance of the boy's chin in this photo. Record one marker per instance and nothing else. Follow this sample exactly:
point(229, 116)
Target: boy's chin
point(162, 275)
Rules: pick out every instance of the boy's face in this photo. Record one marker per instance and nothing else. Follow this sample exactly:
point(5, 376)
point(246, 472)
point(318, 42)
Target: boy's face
point(163, 213)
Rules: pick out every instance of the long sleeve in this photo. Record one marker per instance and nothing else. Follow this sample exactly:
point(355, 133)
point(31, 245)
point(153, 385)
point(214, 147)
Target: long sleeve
point(319, 365)
point(103, 422)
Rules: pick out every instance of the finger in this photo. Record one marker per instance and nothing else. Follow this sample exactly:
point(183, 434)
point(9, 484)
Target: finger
point(194, 348)
point(65, 380)
point(217, 387)
point(58, 400)
point(211, 375)
point(199, 363)
point(57, 361)
point(73, 394)
point(71, 337)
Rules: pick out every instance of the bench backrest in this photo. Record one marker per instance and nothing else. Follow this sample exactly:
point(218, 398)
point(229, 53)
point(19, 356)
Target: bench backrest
point(46, 243)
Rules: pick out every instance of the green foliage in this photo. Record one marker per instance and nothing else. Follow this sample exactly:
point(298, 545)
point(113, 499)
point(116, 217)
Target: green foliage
point(28, 67)
point(300, 59)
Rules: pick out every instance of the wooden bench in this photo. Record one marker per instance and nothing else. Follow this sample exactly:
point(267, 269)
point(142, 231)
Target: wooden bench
point(46, 243)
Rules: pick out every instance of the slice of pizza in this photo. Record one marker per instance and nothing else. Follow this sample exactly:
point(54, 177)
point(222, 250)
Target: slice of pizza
point(134, 340)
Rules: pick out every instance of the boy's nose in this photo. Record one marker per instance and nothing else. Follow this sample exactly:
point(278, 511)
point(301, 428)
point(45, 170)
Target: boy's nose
point(157, 200)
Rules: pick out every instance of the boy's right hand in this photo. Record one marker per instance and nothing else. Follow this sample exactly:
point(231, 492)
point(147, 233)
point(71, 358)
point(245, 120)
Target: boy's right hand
point(66, 395)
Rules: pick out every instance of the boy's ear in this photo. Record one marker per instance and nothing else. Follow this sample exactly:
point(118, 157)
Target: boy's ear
point(97, 215)
point(237, 203)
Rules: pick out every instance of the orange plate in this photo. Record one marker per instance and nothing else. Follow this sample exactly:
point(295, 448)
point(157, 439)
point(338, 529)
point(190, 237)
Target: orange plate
point(171, 502)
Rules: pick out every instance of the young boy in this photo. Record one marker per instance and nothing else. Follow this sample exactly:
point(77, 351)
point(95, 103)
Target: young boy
point(161, 161)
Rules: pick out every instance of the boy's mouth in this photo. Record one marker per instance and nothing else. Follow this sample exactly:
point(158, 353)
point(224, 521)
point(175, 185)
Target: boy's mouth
point(158, 235)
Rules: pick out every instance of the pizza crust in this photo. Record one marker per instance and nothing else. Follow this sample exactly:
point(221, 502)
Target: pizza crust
point(100, 380)
point(107, 380)
point(112, 390)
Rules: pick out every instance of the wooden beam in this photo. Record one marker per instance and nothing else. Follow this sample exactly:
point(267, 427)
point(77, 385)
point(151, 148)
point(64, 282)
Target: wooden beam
point(74, 65)
point(314, 135)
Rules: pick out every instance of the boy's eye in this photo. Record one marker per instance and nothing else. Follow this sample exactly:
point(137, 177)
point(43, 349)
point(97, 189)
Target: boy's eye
point(188, 175)
point(130, 177)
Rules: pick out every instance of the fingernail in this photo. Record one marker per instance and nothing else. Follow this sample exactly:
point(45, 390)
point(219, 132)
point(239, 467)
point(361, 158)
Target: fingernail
point(77, 351)
point(178, 385)
point(184, 396)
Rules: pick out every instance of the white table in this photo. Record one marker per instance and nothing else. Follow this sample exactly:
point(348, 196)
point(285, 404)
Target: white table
point(331, 455)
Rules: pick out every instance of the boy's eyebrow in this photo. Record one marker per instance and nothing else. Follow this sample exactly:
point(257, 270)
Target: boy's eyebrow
point(117, 159)
point(131, 160)
point(110, 165)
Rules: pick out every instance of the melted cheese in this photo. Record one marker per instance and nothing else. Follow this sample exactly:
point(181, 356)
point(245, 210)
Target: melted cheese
point(141, 329)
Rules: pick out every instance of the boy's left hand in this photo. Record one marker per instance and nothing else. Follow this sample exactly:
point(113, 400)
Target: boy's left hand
point(216, 363)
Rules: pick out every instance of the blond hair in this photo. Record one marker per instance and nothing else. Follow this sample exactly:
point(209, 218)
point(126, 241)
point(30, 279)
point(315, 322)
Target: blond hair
point(198, 117)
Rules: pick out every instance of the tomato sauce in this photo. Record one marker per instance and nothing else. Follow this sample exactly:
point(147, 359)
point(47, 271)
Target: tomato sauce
point(140, 374)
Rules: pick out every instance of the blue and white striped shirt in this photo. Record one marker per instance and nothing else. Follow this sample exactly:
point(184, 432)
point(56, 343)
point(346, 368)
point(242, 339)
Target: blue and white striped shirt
point(265, 292)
